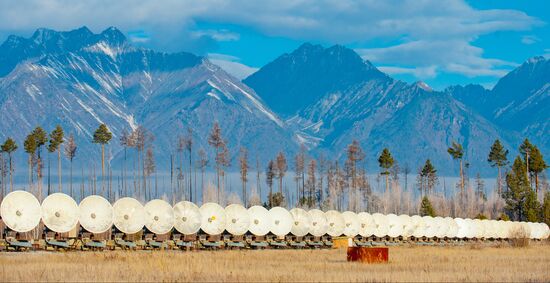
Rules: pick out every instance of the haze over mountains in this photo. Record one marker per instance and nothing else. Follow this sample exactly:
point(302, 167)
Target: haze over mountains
point(322, 97)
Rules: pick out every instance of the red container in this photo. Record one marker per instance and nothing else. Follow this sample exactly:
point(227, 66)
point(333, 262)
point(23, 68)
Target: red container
point(368, 255)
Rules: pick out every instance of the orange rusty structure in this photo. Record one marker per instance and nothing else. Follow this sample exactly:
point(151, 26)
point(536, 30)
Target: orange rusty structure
point(368, 255)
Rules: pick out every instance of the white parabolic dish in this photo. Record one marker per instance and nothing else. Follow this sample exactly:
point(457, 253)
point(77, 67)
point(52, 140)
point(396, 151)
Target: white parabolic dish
point(419, 226)
point(187, 217)
point(319, 224)
point(281, 221)
point(351, 223)
point(396, 226)
point(335, 223)
point(382, 225)
point(301, 223)
point(259, 220)
point(462, 228)
point(60, 212)
point(95, 214)
point(408, 226)
point(160, 216)
point(129, 215)
point(237, 219)
point(20, 211)
point(367, 226)
point(212, 218)
point(431, 228)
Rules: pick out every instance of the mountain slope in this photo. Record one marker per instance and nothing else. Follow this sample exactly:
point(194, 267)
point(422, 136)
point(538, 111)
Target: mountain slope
point(106, 80)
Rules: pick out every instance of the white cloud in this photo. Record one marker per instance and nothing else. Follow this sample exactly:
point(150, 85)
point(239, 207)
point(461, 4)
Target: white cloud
point(421, 73)
point(231, 65)
point(428, 32)
point(529, 39)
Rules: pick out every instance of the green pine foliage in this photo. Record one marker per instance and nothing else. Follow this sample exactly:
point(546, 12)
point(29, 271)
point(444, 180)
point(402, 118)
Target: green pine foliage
point(102, 135)
point(546, 208)
point(56, 139)
point(385, 161)
point(521, 200)
point(426, 208)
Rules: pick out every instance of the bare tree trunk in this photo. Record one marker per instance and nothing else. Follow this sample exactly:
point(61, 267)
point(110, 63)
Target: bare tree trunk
point(71, 181)
point(59, 168)
point(103, 169)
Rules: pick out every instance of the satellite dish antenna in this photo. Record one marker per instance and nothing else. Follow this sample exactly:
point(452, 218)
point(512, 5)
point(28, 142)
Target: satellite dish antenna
point(502, 229)
point(408, 225)
point(351, 223)
point(395, 226)
point(302, 222)
point(187, 217)
point(237, 219)
point(281, 221)
point(431, 227)
point(480, 227)
point(546, 231)
point(495, 231)
point(382, 226)
point(419, 226)
point(441, 226)
point(95, 214)
point(335, 223)
point(60, 212)
point(160, 216)
point(533, 228)
point(20, 211)
point(462, 228)
point(130, 216)
point(472, 229)
point(319, 223)
point(212, 218)
point(453, 227)
point(367, 227)
point(259, 220)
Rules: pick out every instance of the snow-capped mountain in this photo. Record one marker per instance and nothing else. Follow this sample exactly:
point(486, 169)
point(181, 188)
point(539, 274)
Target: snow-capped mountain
point(413, 120)
point(79, 80)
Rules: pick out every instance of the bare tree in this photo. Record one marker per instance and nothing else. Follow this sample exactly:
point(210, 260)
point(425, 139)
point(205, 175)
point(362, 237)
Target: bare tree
point(354, 154)
point(243, 161)
point(281, 168)
point(150, 166)
point(311, 183)
point(269, 175)
point(202, 163)
point(299, 171)
point(189, 148)
point(216, 141)
point(70, 152)
point(125, 142)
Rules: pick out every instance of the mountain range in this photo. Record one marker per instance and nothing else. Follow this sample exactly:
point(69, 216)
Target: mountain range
point(320, 97)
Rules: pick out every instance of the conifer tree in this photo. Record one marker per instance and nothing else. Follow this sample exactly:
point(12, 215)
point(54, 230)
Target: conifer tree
point(386, 162)
point(498, 158)
point(41, 137)
point(102, 136)
point(9, 147)
point(480, 188)
point(243, 162)
point(537, 165)
point(30, 146)
point(56, 139)
point(525, 150)
point(457, 152)
point(521, 202)
point(311, 182)
point(269, 175)
point(216, 141)
point(125, 142)
point(70, 153)
point(546, 208)
point(426, 208)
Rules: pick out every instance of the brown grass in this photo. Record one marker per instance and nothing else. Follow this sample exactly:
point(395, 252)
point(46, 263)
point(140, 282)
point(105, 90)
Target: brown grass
point(406, 264)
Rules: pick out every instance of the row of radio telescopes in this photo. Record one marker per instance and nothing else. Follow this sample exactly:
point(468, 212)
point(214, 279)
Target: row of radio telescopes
point(22, 212)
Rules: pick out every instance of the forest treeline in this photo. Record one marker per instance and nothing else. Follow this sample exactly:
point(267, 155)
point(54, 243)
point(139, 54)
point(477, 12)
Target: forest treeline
point(521, 192)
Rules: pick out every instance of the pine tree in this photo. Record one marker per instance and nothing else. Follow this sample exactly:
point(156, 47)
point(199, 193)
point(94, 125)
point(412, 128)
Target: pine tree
point(70, 153)
point(30, 146)
point(537, 165)
point(521, 202)
point(426, 208)
point(457, 152)
point(41, 137)
point(386, 162)
point(216, 141)
point(102, 136)
point(269, 175)
point(525, 150)
point(125, 142)
point(498, 158)
point(546, 208)
point(427, 178)
point(281, 168)
point(56, 139)
point(9, 147)
point(243, 162)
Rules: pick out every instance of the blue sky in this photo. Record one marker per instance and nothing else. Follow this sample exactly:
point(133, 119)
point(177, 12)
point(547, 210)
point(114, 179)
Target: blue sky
point(436, 41)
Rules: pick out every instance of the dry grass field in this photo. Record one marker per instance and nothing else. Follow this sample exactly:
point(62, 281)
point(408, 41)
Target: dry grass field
point(406, 264)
